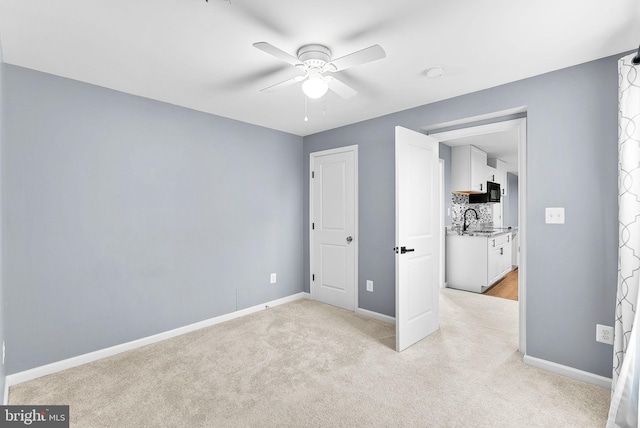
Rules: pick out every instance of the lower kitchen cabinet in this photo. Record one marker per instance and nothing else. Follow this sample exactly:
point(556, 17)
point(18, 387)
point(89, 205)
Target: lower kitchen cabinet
point(474, 263)
point(515, 251)
point(499, 249)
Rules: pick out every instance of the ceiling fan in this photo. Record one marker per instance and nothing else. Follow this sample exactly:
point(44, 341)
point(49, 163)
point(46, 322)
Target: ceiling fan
point(314, 61)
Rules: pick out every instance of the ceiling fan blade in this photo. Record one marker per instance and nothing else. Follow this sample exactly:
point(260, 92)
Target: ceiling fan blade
point(278, 53)
point(340, 88)
point(372, 53)
point(284, 84)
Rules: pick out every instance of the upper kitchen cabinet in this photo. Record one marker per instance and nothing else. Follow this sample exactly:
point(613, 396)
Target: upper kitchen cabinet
point(498, 173)
point(492, 173)
point(468, 170)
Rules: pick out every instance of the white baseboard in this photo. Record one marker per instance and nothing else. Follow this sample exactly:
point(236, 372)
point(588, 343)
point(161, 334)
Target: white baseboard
point(5, 399)
point(376, 315)
point(366, 312)
point(58, 366)
point(567, 371)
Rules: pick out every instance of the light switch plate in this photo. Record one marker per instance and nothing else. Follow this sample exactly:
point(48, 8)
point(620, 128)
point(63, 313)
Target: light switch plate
point(554, 215)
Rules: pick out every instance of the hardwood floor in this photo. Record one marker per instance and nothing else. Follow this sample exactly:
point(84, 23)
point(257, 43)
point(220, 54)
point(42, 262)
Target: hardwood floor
point(507, 288)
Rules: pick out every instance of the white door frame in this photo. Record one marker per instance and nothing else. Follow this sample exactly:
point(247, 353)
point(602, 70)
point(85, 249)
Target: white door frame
point(441, 174)
point(521, 126)
point(312, 157)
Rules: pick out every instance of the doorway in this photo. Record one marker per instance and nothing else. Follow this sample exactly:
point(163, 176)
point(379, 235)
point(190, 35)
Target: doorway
point(333, 221)
point(516, 128)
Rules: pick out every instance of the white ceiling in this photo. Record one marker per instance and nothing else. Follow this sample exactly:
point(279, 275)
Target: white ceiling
point(200, 55)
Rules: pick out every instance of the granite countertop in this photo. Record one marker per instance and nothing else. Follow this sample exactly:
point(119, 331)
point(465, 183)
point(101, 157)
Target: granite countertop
point(487, 232)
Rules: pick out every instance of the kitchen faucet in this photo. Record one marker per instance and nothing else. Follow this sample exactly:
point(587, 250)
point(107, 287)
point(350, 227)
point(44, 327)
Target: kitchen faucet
point(464, 218)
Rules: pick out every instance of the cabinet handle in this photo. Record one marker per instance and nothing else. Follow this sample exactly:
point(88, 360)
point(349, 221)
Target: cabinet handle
point(501, 251)
point(481, 187)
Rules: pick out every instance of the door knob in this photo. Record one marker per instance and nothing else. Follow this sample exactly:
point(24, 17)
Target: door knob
point(349, 239)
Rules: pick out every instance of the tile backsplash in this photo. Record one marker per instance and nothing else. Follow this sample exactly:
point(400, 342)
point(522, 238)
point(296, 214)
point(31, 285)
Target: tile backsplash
point(460, 203)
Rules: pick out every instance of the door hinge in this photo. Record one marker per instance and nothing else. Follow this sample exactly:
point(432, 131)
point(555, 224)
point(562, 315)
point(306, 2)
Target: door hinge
point(313, 277)
point(313, 174)
point(313, 226)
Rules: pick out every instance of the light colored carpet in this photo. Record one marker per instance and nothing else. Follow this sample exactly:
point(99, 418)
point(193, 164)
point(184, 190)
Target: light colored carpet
point(306, 364)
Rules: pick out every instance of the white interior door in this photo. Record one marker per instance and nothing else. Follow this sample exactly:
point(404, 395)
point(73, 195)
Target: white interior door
point(417, 237)
point(334, 224)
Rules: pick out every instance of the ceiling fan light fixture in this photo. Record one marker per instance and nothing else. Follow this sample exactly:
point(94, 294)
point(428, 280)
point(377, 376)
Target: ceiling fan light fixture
point(314, 61)
point(315, 87)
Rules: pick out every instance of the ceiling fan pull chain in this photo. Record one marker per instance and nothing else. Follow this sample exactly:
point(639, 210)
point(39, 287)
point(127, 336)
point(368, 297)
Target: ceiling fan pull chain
point(306, 109)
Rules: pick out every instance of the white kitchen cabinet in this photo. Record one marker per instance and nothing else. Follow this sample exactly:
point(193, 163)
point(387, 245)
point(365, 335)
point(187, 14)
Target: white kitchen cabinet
point(492, 173)
point(495, 264)
point(474, 263)
point(515, 250)
point(468, 169)
point(499, 258)
point(466, 262)
point(498, 173)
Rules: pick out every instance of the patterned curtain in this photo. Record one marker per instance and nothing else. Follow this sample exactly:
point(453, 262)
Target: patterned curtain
point(626, 358)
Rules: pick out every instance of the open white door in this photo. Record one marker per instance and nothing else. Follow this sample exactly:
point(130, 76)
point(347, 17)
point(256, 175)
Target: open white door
point(417, 237)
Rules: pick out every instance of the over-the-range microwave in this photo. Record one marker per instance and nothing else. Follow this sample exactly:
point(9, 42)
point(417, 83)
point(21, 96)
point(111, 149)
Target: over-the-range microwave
point(492, 195)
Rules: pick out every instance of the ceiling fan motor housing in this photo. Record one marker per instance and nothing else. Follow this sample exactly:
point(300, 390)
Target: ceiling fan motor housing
point(314, 56)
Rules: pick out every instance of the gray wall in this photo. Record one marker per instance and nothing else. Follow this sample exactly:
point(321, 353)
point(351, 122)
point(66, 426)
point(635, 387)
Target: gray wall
point(128, 217)
point(571, 268)
point(2, 304)
point(511, 208)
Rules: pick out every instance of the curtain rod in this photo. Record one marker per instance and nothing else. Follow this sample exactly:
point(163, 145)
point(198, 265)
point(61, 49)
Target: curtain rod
point(636, 59)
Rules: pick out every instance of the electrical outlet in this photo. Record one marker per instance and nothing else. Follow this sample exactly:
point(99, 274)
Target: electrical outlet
point(369, 285)
point(273, 278)
point(604, 334)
